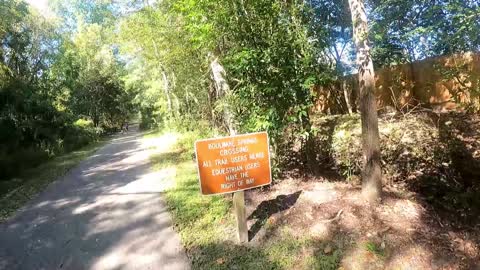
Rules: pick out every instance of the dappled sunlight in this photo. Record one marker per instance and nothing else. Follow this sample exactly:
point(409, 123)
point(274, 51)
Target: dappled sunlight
point(400, 214)
point(118, 118)
point(64, 202)
point(39, 220)
point(157, 181)
point(319, 195)
point(95, 156)
point(161, 143)
point(107, 214)
point(397, 234)
point(468, 247)
point(116, 208)
point(413, 256)
point(359, 258)
point(83, 208)
point(136, 250)
point(322, 231)
point(123, 139)
point(103, 170)
point(42, 204)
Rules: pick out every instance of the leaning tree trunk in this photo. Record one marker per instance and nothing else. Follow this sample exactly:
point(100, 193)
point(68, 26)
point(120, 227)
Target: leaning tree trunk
point(166, 84)
point(222, 90)
point(372, 174)
point(346, 95)
point(167, 93)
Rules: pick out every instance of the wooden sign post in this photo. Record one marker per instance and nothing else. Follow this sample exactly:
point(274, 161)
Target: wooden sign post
point(241, 216)
point(234, 164)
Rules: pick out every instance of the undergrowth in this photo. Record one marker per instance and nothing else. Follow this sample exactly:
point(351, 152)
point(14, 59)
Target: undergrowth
point(15, 192)
point(207, 226)
point(435, 155)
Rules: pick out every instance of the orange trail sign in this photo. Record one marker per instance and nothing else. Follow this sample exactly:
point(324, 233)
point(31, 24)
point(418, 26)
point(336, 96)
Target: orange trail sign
point(234, 163)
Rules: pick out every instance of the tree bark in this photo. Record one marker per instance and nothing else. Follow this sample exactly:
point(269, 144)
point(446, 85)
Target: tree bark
point(167, 92)
point(222, 89)
point(346, 94)
point(372, 174)
point(166, 84)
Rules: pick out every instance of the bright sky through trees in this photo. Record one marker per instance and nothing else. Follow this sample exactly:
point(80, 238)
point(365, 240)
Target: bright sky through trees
point(41, 6)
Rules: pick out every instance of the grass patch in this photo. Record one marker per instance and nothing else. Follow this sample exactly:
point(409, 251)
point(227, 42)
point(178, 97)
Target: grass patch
point(16, 192)
point(325, 261)
point(375, 249)
point(207, 226)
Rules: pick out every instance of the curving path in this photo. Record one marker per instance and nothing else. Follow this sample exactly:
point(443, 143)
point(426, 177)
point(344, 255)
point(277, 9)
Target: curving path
point(107, 213)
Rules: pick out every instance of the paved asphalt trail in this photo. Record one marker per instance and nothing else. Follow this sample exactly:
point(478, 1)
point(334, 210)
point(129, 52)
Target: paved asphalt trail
point(107, 213)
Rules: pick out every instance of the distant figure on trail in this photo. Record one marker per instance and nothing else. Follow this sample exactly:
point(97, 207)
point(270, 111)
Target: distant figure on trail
point(124, 127)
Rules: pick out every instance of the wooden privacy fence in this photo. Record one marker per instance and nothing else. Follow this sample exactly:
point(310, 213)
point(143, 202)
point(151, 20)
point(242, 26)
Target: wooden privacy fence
point(440, 83)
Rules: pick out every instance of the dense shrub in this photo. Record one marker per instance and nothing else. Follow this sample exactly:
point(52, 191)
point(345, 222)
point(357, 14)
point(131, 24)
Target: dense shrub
point(11, 164)
point(83, 123)
point(80, 134)
point(410, 146)
point(31, 147)
point(150, 118)
point(436, 155)
point(193, 130)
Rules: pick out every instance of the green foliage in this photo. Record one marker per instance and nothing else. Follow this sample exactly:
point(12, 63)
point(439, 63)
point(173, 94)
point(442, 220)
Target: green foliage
point(402, 31)
point(207, 227)
point(50, 141)
point(410, 145)
point(425, 153)
point(91, 76)
point(327, 261)
point(416, 29)
point(83, 123)
point(374, 249)
point(49, 78)
point(270, 52)
point(192, 131)
point(272, 64)
point(66, 81)
point(166, 73)
point(15, 192)
point(460, 72)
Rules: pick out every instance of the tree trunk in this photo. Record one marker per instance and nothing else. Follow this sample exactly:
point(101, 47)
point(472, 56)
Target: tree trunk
point(222, 90)
point(346, 94)
point(166, 85)
point(372, 174)
point(96, 119)
point(167, 92)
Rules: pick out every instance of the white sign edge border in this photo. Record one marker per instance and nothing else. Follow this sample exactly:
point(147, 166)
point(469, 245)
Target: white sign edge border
point(224, 137)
